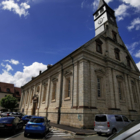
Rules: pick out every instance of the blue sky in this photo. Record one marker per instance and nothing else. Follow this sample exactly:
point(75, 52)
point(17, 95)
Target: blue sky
point(35, 33)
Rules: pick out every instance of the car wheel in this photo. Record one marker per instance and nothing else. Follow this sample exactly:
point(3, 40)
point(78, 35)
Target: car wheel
point(14, 131)
point(99, 133)
point(25, 134)
point(114, 131)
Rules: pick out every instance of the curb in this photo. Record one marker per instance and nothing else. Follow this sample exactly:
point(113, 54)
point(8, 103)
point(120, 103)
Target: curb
point(81, 133)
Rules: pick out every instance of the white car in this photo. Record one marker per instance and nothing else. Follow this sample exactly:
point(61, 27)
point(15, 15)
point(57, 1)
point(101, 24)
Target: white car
point(130, 132)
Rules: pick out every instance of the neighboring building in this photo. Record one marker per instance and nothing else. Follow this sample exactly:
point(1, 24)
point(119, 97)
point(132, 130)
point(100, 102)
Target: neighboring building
point(99, 77)
point(9, 89)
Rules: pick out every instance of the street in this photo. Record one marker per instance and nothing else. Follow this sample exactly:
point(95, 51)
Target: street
point(54, 134)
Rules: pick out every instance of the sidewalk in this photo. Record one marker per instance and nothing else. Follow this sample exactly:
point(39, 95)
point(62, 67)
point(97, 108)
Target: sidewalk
point(77, 131)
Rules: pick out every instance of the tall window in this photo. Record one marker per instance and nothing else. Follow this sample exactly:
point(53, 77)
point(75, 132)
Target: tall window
point(134, 93)
point(54, 91)
point(45, 92)
point(117, 53)
point(27, 97)
point(96, 15)
point(67, 88)
point(99, 86)
point(120, 90)
point(99, 46)
point(128, 61)
point(114, 34)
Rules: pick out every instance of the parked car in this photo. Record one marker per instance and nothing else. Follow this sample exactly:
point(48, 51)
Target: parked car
point(5, 114)
point(16, 114)
point(10, 124)
point(109, 124)
point(26, 118)
point(39, 125)
point(129, 132)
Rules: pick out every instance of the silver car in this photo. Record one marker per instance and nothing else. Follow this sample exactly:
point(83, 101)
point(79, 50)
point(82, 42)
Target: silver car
point(130, 132)
point(109, 124)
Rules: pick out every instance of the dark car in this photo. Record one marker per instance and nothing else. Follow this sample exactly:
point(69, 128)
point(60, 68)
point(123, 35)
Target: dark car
point(10, 124)
point(26, 118)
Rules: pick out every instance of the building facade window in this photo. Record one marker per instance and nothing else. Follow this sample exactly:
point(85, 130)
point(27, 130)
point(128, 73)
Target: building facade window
point(114, 34)
point(67, 87)
point(45, 93)
point(99, 46)
point(101, 11)
point(97, 14)
point(128, 61)
point(117, 53)
point(54, 91)
point(8, 89)
point(99, 87)
point(134, 92)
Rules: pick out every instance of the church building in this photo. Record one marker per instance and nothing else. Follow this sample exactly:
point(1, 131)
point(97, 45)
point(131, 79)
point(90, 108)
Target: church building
point(99, 77)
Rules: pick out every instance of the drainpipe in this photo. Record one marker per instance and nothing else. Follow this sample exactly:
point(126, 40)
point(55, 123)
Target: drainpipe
point(61, 90)
point(73, 80)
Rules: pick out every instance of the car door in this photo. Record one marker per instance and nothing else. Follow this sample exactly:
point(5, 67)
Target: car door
point(126, 121)
point(119, 122)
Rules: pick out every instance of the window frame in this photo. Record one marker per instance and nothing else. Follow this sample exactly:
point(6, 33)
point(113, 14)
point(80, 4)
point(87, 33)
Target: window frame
point(45, 92)
point(99, 45)
point(117, 54)
point(54, 91)
point(114, 35)
point(128, 61)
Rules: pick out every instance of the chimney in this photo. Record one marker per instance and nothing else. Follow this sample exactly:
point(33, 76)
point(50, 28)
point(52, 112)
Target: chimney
point(40, 72)
point(33, 78)
point(49, 66)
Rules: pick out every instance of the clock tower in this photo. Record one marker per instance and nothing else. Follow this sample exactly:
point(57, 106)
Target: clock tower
point(103, 15)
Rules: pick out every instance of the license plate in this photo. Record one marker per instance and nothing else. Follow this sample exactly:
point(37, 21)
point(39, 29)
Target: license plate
point(1, 125)
point(34, 126)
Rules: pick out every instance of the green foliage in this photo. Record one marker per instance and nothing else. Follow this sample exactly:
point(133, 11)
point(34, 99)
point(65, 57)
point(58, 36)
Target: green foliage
point(9, 102)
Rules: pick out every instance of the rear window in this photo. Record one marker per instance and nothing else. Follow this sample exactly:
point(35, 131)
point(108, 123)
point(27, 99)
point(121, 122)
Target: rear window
point(101, 118)
point(6, 120)
point(37, 120)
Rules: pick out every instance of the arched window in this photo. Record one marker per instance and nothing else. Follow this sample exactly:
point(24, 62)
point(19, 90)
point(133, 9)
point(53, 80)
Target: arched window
point(117, 53)
point(45, 92)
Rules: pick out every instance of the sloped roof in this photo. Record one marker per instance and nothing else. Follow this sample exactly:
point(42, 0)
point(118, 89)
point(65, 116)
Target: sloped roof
point(101, 3)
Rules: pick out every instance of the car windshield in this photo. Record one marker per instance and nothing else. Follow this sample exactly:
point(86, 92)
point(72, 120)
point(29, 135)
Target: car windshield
point(100, 118)
point(37, 120)
point(125, 129)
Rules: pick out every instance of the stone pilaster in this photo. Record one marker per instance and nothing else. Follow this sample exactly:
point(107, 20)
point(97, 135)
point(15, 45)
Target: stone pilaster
point(126, 90)
point(111, 88)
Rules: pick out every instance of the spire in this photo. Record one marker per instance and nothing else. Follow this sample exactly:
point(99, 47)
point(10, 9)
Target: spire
point(101, 3)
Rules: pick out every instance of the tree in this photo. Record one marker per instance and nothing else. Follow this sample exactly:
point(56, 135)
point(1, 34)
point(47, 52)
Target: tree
point(9, 102)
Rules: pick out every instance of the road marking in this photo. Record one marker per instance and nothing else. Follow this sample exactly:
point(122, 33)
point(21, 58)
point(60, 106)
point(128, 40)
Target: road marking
point(13, 136)
point(56, 133)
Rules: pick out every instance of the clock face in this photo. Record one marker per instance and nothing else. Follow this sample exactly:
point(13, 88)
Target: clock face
point(100, 20)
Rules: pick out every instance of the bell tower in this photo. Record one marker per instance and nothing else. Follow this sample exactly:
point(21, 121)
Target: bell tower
point(103, 14)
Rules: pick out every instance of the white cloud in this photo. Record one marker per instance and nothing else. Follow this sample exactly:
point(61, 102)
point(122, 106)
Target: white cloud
point(11, 5)
point(21, 78)
point(132, 46)
point(8, 67)
point(121, 12)
point(137, 54)
point(134, 3)
point(12, 61)
point(134, 24)
point(138, 65)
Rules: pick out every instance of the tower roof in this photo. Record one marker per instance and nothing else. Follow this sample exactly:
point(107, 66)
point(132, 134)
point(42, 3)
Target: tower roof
point(101, 3)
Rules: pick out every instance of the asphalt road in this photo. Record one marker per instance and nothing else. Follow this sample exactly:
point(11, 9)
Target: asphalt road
point(52, 135)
